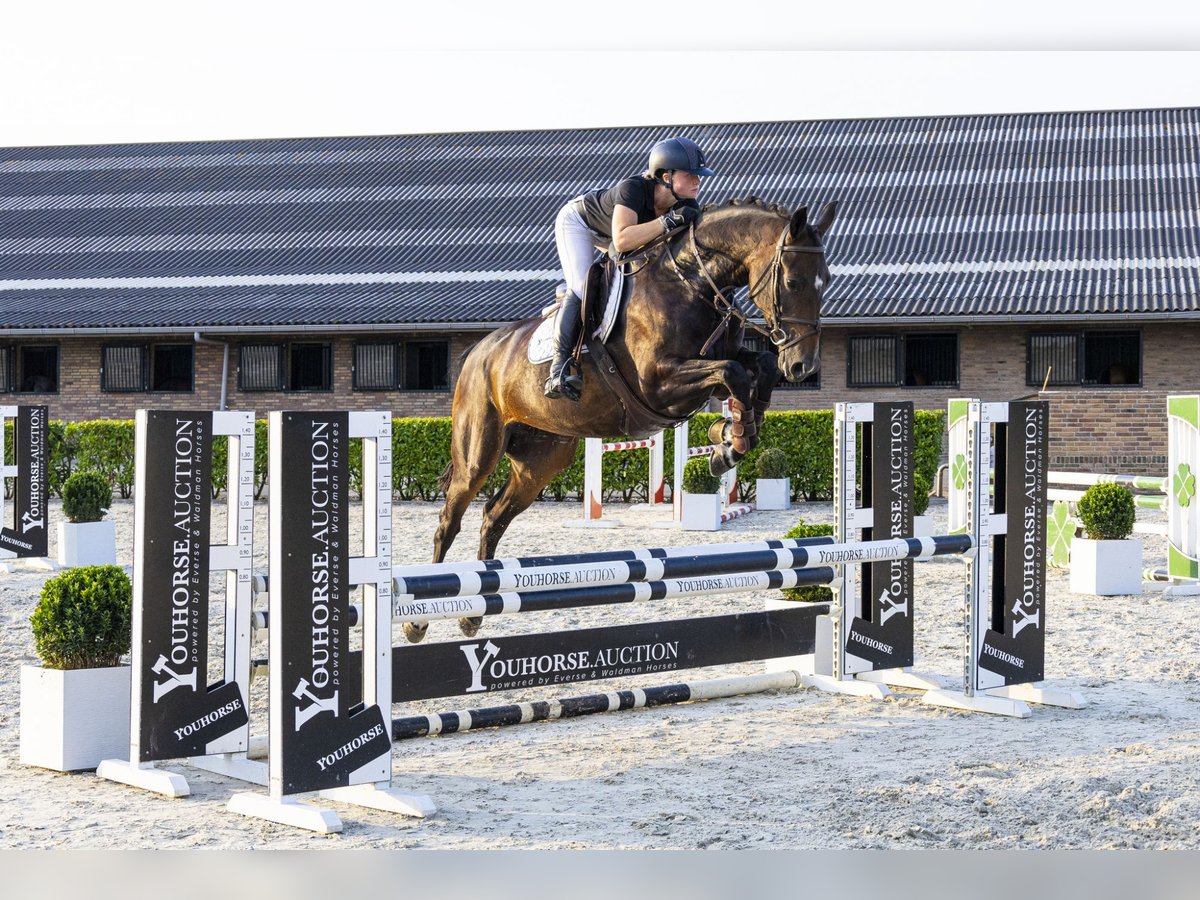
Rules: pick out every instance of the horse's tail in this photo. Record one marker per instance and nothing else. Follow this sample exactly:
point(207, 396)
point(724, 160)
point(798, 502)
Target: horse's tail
point(446, 476)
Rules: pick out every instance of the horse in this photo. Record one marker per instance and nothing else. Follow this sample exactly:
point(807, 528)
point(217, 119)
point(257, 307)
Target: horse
point(679, 302)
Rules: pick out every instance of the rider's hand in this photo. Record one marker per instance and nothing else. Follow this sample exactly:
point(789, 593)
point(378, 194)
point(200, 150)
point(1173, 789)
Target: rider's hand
point(679, 216)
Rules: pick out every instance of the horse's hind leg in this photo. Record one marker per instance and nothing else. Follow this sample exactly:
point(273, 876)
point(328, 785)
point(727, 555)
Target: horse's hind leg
point(475, 450)
point(536, 458)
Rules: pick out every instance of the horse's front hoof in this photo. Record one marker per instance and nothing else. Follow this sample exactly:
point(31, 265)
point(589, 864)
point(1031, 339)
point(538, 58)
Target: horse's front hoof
point(717, 432)
point(721, 460)
point(470, 625)
point(415, 633)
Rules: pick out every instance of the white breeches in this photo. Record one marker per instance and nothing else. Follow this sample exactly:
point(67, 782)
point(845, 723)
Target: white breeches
point(576, 250)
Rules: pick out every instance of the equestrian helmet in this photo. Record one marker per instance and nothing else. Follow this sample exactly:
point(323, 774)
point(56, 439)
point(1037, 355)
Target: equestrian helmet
point(679, 153)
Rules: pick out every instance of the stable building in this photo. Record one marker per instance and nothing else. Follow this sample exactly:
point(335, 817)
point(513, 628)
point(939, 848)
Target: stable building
point(982, 256)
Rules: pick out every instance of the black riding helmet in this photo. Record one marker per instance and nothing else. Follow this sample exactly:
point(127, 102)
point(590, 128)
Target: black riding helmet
point(679, 153)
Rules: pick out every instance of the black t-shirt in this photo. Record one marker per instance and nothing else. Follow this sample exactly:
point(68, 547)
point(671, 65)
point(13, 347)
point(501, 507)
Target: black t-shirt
point(637, 193)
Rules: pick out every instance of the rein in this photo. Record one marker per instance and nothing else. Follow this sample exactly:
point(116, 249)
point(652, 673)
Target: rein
point(775, 319)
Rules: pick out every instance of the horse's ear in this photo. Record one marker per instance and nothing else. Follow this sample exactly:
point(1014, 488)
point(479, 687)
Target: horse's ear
point(798, 223)
point(825, 217)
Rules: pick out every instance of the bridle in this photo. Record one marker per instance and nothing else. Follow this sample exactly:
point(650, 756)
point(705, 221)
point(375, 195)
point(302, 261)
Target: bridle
point(774, 317)
point(774, 271)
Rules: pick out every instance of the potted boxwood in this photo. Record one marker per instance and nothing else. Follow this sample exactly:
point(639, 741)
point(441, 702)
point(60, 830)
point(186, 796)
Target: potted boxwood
point(813, 593)
point(86, 540)
point(773, 489)
point(75, 706)
point(922, 524)
point(701, 503)
point(1106, 561)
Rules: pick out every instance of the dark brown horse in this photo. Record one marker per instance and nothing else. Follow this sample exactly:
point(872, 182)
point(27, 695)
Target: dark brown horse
point(675, 307)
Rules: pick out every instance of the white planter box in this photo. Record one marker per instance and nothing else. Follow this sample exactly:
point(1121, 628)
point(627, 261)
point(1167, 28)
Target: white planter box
point(1107, 568)
point(72, 719)
point(773, 493)
point(922, 526)
point(701, 512)
point(87, 543)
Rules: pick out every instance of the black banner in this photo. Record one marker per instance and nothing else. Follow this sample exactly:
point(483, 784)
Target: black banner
point(28, 536)
point(1018, 653)
point(181, 712)
point(483, 665)
point(323, 743)
point(886, 640)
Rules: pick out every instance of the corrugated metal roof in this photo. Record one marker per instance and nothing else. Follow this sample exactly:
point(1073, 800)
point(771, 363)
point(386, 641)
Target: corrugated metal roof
point(970, 217)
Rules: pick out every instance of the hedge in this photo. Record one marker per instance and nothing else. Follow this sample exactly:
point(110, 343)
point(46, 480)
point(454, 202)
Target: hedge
point(421, 452)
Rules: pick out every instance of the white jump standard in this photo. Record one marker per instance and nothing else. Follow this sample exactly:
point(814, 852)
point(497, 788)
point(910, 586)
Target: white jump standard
point(1004, 653)
point(175, 712)
point(593, 475)
point(865, 645)
point(321, 740)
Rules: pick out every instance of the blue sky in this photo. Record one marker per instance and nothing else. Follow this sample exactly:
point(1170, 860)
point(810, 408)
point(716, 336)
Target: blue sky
point(128, 70)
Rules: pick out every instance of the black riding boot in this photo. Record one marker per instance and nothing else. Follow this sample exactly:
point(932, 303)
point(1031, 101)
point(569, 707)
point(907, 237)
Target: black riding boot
point(565, 378)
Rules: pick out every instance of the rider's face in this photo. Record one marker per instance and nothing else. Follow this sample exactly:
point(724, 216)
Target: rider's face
point(687, 185)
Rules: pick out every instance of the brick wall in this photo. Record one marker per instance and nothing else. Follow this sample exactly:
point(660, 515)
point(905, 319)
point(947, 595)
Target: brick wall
point(79, 397)
point(1097, 429)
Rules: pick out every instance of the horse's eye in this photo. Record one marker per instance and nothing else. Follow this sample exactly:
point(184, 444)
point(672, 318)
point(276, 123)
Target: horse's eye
point(794, 284)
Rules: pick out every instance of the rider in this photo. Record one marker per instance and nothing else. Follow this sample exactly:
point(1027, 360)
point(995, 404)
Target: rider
point(631, 213)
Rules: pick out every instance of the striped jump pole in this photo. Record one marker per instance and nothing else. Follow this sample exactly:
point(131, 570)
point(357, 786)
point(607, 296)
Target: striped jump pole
point(445, 573)
point(806, 552)
point(593, 475)
point(463, 720)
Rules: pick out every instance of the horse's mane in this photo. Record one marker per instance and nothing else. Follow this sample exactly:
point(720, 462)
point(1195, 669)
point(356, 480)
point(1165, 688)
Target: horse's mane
point(749, 200)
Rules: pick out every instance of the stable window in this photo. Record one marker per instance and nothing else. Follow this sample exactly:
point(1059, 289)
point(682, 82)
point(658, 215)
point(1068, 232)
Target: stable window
point(260, 367)
point(377, 367)
point(759, 344)
point(910, 360)
point(427, 366)
point(930, 360)
point(123, 368)
point(172, 368)
point(37, 369)
point(1084, 358)
point(6, 369)
point(311, 367)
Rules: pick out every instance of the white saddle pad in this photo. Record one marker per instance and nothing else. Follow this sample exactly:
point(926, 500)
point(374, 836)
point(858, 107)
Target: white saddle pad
point(541, 345)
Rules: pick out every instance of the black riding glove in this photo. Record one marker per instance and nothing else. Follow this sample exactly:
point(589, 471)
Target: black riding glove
point(678, 216)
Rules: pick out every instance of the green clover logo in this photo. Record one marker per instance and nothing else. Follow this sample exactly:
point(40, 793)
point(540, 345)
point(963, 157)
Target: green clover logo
point(958, 471)
point(1060, 531)
point(1183, 484)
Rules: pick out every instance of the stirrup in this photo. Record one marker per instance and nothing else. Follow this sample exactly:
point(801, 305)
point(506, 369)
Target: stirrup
point(563, 382)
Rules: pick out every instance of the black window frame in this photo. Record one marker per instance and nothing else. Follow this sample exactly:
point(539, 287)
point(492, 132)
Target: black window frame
point(1080, 338)
point(286, 362)
point(106, 366)
point(326, 349)
point(8, 370)
point(152, 367)
point(408, 346)
point(397, 365)
point(281, 363)
point(899, 363)
point(22, 349)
